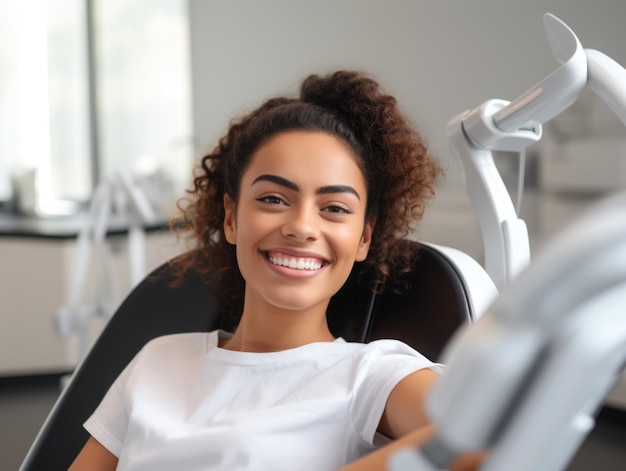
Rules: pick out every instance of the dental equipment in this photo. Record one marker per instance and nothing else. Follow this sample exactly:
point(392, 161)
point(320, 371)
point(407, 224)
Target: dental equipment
point(121, 194)
point(523, 382)
point(499, 125)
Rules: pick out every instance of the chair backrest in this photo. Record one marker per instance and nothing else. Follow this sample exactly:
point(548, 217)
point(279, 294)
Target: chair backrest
point(428, 312)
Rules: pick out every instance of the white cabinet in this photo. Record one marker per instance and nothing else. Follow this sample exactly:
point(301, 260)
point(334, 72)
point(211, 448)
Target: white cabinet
point(34, 276)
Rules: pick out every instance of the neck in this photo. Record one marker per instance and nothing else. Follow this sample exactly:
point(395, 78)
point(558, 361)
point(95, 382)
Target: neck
point(271, 330)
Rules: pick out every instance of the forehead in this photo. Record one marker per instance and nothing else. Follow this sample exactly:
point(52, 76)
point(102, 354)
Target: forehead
point(306, 154)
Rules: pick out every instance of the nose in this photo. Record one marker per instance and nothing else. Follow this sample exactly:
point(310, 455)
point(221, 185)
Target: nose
point(302, 224)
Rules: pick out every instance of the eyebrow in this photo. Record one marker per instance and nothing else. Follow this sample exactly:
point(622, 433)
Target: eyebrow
point(324, 190)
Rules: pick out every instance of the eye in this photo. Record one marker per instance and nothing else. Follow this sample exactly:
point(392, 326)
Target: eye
point(337, 209)
point(271, 199)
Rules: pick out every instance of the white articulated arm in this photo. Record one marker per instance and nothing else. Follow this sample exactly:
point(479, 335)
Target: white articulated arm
point(499, 125)
point(135, 209)
point(607, 79)
point(93, 254)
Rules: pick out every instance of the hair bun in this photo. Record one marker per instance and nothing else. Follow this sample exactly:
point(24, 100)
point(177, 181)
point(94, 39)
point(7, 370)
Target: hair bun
point(357, 100)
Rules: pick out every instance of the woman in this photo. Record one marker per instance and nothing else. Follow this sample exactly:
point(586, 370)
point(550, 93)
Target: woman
point(296, 193)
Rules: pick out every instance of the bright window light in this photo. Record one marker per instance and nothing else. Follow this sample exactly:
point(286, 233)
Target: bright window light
point(141, 109)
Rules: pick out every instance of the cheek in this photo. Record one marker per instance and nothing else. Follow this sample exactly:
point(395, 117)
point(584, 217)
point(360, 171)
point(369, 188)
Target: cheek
point(252, 228)
point(256, 224)
point(348, 240)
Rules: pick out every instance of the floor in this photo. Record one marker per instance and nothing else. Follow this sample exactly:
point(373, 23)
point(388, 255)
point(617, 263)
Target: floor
point(25, 402)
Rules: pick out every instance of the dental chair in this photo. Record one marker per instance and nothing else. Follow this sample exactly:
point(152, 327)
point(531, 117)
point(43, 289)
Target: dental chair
point(436, 303)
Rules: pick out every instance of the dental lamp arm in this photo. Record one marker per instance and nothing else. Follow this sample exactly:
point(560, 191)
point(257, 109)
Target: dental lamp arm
point(586, 262)
point(556, 92)
point(498, 125)
point(607, 79)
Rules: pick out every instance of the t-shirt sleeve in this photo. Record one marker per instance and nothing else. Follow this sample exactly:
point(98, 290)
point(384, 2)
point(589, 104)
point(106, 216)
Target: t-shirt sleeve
point(384, 365)
point(109, 422)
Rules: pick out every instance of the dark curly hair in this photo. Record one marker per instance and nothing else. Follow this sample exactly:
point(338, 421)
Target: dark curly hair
point(399, 174)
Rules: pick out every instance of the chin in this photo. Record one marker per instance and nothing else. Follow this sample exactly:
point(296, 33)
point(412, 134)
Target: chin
point(298, 303)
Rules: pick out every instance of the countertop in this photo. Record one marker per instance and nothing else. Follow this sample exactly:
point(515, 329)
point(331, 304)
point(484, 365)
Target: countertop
point(62, 227)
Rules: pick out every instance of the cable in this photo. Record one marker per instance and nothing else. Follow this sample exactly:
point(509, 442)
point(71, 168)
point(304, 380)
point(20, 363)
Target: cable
point(521, 175)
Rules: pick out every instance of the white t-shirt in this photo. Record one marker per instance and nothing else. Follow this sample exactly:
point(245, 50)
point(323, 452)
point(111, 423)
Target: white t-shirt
point(183, 403)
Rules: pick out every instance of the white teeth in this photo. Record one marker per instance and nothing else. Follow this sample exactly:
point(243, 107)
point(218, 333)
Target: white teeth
point(296, 263)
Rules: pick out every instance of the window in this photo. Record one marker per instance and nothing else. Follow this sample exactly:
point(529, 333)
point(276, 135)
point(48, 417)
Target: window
point(61, 136)
point(143, 83)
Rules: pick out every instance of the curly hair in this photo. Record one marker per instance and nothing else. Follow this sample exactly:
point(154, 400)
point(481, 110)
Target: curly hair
point(399, 173)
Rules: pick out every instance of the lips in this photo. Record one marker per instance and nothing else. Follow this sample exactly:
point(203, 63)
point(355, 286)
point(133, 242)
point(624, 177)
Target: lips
point(293, 262)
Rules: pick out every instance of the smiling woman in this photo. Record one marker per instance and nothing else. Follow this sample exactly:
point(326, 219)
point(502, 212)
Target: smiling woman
point(398, 171)
point(295, 195)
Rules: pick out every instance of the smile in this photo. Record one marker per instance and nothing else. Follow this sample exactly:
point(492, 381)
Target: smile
point(295, 263)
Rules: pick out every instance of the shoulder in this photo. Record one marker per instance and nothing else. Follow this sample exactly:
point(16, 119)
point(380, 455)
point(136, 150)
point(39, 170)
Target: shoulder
point(393, 355)
point(176, 345)
point(383, 347)
point(167, 356)
point(177, 340)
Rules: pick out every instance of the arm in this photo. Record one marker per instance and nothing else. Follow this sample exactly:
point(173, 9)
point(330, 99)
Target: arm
point(404, 411)
point(377, 461)
point(405, 420)
point(94, 457)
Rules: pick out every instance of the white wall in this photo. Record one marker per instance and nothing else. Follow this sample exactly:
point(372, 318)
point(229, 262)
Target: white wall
point(438, 57)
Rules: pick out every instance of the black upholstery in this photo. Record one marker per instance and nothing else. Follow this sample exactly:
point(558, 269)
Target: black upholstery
point(425, 317)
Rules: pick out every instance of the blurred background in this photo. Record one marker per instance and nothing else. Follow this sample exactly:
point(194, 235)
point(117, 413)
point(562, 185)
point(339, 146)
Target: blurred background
point(91, 87)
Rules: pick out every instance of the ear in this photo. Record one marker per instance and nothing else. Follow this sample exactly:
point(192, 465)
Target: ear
point(230, 221)
point(365, 242)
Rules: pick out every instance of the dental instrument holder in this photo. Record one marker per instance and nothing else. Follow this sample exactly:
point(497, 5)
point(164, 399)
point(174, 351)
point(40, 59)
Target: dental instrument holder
point(119, 193)
point(524, 381)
